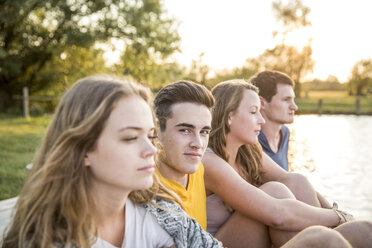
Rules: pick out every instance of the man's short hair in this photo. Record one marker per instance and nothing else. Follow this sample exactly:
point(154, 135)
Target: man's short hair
point(180, 92)
point(267, 82)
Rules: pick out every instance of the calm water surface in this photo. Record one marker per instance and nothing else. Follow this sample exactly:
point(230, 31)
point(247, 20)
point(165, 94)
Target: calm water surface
point(335, 152)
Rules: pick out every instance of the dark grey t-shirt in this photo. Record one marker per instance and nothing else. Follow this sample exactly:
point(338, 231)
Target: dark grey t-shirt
point(281, 157)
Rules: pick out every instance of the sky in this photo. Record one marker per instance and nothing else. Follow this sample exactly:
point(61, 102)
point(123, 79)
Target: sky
point(230, 31)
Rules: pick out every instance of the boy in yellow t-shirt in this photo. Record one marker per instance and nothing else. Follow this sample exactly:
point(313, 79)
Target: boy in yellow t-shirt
point(183, 111)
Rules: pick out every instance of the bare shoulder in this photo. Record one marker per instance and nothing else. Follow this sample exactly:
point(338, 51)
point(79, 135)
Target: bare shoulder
point(217, 172)
point(210, 158)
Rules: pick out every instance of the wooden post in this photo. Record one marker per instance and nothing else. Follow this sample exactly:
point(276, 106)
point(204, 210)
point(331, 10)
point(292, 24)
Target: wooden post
point(26, 111)
point(320, 106)
point(357, 105)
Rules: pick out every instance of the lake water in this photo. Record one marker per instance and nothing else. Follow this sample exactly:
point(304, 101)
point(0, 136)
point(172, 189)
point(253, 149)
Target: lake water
point(335, 153)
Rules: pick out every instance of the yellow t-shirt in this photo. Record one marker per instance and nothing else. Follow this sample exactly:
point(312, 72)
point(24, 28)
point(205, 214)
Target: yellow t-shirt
point(194, 197)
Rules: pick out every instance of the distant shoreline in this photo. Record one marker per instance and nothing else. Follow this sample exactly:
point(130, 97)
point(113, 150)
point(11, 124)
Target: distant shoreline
point(327, 112)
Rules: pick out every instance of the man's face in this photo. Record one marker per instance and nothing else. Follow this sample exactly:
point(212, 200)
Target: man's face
point(185, 137)
point(282, 107)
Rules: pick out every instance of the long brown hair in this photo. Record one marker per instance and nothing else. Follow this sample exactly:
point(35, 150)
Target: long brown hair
point(228, 96)
point(56, 204)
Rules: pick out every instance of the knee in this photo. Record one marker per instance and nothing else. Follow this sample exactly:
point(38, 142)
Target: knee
point(277, 190)
point(295, 179)
point(361, 230)
point(319, 236)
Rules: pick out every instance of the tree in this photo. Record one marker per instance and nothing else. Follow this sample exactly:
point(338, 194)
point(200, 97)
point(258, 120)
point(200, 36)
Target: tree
point(249, 68)
point(288, 59)
point(198, 71)
point(33, 32)
point(291, 15)
point(73, 64)
point(361, 77)
point(149, 69)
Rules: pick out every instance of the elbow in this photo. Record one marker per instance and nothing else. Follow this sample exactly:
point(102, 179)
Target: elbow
point(281, 219)
point(277, 221)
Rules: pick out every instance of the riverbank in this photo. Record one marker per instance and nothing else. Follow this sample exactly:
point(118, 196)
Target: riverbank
point(334, 102)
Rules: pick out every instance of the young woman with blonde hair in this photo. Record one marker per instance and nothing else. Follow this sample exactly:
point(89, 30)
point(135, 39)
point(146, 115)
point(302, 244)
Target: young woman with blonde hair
point(92, 183)
point(250, 199)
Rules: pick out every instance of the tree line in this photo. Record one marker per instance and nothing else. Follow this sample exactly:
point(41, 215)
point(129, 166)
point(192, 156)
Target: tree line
point(46, 45)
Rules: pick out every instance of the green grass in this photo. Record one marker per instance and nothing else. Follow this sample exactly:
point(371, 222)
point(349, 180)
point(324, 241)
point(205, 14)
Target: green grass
point(333, 102)
point(19, 140)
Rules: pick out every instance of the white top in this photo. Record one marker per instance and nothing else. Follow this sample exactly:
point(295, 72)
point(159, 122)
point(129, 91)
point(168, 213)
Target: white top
point(141, 230)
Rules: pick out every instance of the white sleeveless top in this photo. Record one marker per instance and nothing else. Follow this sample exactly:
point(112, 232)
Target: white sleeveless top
point(141, 230)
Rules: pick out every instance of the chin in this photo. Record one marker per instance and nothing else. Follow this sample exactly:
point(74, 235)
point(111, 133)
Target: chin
point(289, 120)
point(192, 168)
point(146, 184)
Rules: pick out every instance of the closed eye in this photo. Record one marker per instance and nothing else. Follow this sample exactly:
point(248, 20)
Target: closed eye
point(152, 137)
point(130, 139)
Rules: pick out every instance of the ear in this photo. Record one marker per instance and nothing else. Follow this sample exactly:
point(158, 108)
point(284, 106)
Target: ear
point(263, 102)
point(229, 118)
point(158, 132)
point(87, 161)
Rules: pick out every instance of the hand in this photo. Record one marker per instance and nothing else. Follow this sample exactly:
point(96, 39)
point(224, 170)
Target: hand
point(342, 215)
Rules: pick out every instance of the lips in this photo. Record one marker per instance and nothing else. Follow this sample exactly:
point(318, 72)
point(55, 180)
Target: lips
point(148, 168)
point(193, 155)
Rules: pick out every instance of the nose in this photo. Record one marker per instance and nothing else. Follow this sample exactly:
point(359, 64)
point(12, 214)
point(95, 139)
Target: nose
point(196, 142)
point(149, 149)
point(260, 120)
point(294, 106)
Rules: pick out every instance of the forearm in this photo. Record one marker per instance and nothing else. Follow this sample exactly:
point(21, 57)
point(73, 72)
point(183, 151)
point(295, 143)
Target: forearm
point(323, 201)
point(297, 215)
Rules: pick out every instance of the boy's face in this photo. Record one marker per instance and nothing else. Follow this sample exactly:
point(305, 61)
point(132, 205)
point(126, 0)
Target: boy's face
point(282, 107)
point(185, 137)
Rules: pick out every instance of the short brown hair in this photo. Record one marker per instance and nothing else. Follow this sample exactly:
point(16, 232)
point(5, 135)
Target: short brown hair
point(267, 82)
point(179, 92)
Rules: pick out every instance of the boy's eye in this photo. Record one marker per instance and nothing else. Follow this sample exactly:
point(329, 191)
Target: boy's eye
point(205, 132)
point(185, 131)
point(130, 138)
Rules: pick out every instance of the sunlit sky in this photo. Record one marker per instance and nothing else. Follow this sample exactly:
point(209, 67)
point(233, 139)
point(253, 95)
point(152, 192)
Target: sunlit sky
point(230, 31)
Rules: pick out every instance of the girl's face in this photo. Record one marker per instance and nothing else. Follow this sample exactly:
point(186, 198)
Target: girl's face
point(123, 158)
point(245, 123)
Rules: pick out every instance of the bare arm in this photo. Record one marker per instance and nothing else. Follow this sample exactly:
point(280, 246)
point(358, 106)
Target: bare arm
point(284, 214)
point(323, 201)
point(271, 170)
point(297, 183)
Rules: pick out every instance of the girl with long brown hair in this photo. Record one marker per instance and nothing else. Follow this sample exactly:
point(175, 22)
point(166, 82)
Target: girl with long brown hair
point(249, 197)
point(92, 183)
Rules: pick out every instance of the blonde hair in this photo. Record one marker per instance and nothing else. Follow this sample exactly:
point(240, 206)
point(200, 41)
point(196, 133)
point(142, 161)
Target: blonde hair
point(55, 204)
point(228, 96)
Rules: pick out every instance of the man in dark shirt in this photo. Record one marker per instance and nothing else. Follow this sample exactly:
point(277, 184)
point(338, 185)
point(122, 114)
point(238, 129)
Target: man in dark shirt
point(277, 108)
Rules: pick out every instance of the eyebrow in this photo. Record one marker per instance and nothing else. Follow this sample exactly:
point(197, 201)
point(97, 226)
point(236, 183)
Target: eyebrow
point(191, 126)
point(134, 128)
